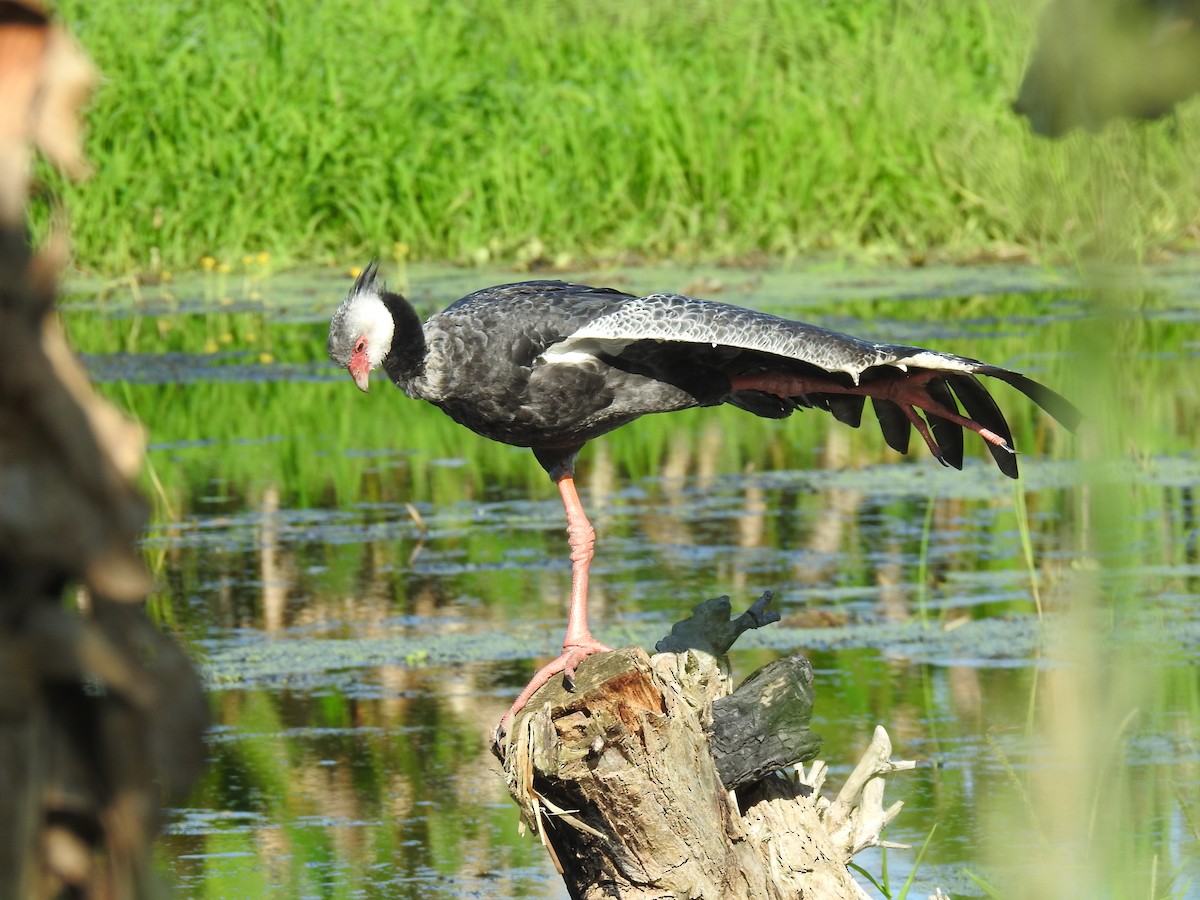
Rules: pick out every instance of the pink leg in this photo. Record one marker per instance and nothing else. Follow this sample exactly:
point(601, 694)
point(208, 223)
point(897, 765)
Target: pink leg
point(579, 643)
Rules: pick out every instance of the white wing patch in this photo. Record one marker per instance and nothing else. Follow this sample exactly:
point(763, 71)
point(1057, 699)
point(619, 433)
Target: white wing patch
point(579, 349)
point(559, 355)
point(931, 359)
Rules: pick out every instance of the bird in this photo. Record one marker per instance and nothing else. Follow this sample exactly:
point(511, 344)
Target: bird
point(550, 365)
point(1097, 60)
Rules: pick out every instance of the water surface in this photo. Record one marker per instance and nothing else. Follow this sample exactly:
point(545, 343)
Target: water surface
point(366, 585)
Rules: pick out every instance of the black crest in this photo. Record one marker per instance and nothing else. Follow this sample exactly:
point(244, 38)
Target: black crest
point(367, 278)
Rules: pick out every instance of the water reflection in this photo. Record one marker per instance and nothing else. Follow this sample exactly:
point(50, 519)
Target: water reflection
point(334, 796)
point(369, 772)
point(367, 589)
point(345, 774)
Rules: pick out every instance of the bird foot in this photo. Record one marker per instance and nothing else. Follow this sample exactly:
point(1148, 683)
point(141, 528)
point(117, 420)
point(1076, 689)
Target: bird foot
point(573, 654)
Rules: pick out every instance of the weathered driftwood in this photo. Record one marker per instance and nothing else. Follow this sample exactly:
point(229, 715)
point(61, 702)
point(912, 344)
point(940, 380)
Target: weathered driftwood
point(100, 714)
point(763, 725)
point(710, 630)
point(619, 779)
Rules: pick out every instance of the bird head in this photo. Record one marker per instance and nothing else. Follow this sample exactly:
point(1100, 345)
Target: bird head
point(360, 332)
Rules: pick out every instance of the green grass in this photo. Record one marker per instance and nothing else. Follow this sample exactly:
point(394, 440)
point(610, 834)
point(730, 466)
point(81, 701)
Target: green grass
point(552, 131)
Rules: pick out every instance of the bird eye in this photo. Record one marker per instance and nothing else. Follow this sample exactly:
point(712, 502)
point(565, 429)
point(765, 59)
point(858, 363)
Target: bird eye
point(360, 345)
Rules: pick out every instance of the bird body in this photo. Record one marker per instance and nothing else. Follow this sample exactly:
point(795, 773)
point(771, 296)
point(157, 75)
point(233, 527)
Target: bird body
point(492, 365)
point(550, 365)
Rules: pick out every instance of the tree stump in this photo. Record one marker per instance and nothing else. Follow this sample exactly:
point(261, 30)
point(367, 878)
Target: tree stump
point(651, 780)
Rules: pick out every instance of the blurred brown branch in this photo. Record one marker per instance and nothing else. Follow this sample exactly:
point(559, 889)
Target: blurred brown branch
point(100, 714)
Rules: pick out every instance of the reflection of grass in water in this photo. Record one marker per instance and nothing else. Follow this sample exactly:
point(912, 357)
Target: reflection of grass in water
point(312, 425)
point(343, 800)
point(297, 436)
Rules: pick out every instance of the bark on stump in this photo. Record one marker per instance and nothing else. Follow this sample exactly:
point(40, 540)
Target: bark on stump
point(619, 779)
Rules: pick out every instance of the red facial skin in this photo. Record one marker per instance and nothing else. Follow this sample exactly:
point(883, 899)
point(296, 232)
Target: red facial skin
point(360, 366)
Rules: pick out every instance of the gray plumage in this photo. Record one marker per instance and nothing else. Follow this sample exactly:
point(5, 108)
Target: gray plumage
point(675, 317)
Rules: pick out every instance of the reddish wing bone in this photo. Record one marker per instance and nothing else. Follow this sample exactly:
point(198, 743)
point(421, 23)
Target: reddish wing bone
point(905, 389)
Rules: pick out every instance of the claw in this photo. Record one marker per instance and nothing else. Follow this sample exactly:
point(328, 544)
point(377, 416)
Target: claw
point(565, 664)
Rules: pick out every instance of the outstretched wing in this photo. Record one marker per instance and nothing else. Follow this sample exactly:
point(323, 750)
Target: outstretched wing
point(775, 364)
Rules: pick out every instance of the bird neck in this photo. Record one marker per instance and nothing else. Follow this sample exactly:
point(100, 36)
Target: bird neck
point(406, 358)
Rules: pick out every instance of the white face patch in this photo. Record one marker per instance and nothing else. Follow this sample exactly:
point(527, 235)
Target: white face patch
point(361, 315)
